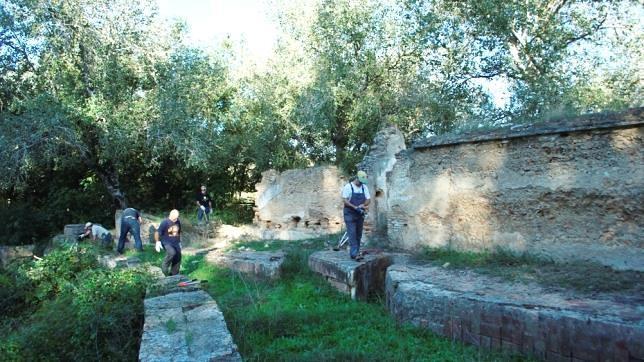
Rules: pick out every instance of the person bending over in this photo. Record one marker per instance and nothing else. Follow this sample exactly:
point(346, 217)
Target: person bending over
point(130, 222)
point(98, 231)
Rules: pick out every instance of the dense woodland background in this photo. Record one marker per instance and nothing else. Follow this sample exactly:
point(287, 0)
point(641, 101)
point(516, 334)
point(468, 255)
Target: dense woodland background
point(103, 104)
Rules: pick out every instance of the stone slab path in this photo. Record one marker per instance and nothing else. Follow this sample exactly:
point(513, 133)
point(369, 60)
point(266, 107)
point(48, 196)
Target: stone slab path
point(259, 264)
point(184, 324)
point(520, 318)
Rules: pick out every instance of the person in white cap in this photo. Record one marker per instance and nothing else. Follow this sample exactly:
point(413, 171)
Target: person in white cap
point(98, 231)
point(356, 199)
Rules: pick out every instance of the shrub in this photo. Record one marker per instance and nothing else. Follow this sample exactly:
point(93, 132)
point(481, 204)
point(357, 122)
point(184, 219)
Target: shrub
point(70, 309)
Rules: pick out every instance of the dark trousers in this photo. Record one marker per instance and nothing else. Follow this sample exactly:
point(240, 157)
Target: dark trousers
point(106, 241)
point(132, 226)
point(172, 261)
point(354, 232)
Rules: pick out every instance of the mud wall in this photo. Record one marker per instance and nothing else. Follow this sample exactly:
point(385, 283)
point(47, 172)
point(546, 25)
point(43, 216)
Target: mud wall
point(299, 203)
point(571, 189)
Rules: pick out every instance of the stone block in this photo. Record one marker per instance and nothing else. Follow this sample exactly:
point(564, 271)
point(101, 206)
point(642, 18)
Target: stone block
point(518, 318)
point(359, 278)
point(258, 264)
point(184, 324)
point(11, 253)
point(73, 230)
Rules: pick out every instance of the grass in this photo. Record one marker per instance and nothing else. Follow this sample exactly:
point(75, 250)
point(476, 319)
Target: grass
point(584, 277)
point(301, 318)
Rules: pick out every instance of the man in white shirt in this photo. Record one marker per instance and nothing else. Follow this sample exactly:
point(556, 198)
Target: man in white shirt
point(356, 198)
point(98, 231)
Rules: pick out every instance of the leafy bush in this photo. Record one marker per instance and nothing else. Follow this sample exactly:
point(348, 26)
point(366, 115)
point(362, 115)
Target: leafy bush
point(60, 268)
point(67, 308)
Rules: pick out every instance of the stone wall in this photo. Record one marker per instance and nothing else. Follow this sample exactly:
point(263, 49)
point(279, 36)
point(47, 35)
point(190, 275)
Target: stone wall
point(517, 318)
point(571, 189)
point(377, 163)
point(11, 253)
point(298, 204)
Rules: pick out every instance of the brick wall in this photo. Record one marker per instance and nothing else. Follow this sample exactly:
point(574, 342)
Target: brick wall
point(571, 189)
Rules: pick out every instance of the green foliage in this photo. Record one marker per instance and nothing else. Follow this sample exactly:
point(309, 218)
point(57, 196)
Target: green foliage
point(301, 318)
point(61, 267)
point(65, 308)
point(104, 96)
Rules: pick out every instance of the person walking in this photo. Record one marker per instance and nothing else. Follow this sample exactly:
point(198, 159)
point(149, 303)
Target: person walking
point(168, 237)
point(204, 202)
point(356, 199)
point(98, 231)
point(130, 222)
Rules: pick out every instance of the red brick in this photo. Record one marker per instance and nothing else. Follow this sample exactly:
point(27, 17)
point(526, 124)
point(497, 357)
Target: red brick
point(491, 316)
point(621, 352)
point(471, 338)
point(509, 346)
point(585, 350)
point(556, 357)
point(490, 330)
point(495, 343)
point(486, 342)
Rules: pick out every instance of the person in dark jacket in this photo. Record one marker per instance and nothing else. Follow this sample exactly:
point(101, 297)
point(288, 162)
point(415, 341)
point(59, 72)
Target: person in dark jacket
point(168, 236)
point(130, 222)
point(204, 202)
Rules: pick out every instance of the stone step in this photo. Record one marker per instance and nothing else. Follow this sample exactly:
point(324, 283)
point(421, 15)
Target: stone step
point(184, 324)
point(358, 279)
point(259, 264)
point(519, 318)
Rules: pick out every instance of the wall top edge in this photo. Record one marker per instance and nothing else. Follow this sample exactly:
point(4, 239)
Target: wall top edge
point(633, 117)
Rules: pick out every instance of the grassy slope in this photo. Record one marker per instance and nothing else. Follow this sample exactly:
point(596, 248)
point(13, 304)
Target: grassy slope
point(302, 318)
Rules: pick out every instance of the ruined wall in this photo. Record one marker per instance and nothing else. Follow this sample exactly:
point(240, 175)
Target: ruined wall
point(377, 163)
point(571, 189)
point(300, 203)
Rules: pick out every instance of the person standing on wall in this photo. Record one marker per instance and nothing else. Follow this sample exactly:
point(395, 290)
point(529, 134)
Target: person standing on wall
point(356, 198)
point(168, 236)
point(130, 222)
point(204, 202)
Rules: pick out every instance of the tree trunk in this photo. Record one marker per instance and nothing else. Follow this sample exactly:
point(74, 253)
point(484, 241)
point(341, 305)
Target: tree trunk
point(110, 180)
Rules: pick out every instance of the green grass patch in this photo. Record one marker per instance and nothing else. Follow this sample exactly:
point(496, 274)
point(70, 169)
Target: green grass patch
point(302, 318)
point(585, 277)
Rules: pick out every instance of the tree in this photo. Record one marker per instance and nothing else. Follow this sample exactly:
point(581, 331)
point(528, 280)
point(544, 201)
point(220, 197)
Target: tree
point(72, 76)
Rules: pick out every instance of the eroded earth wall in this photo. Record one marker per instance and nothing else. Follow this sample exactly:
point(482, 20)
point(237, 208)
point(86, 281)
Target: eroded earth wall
point(299, 203)
point(569, 189)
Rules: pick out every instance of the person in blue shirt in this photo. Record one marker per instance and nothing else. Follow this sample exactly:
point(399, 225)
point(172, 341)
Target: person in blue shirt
point(356, 199)
point(168, 236)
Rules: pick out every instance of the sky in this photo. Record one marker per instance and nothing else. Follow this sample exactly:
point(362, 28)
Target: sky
point(212, 21)
point(251, 22)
